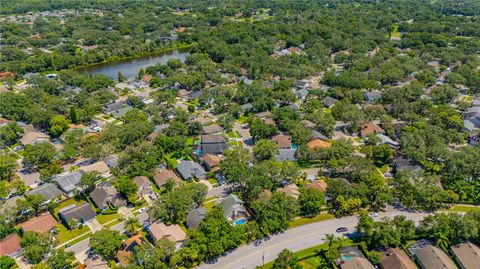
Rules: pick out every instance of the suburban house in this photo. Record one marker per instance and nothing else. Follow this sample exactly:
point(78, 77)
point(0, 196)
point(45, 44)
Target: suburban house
point(111, 160)
point(213, 144)
point(283, 141)
point(387, 140)
point(396, 258)
point(31, 179)
point(96, 262)
point(105, 194)
point(195, 216)
point(31, 138)
point(431, 257)
point(352, 258)
point(320, 185)
point(145, 189)
point(212, 129)
point(467, 255)
point(41, 224)
point(123, 256)
point(212, 162)
point(100, 167)
point(328, 101)
point(233, 208)
point(370, 128)
point(49, 191)
point(372, 97)
point(10, 246)
point(173, 233)
point(68, 182)
point(190, 169)
point(291, 190)
point(401, 163)
point(73, 215)
point(162, 177)
point(318, 143)
point(286, 155)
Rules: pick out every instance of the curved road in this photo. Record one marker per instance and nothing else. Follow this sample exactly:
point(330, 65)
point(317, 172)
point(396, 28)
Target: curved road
point(250, 256)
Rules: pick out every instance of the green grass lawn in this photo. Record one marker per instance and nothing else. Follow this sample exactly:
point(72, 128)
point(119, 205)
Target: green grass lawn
point(464, 208)
point(242, 119)
point(395, 33)
point(65, 234)
point(210, 203)
point(107, 217)
point(302, 220)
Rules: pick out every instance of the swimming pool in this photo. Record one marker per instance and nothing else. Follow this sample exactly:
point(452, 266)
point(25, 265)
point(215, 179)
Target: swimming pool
point(240, 222)
point(294, 146)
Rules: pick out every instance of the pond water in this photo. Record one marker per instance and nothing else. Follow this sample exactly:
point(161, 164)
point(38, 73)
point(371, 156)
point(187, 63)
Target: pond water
point(130, 67)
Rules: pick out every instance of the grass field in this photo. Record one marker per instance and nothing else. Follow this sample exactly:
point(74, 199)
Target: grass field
point(65, 234)
point(107, 217)
point(395, 33)
point(464, 208)
point(302, 221)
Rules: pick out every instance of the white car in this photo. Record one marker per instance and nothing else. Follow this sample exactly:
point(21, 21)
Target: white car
point(142, 210)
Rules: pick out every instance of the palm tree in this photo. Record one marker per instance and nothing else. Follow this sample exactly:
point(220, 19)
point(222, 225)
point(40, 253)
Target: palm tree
point(443, 242)
point(132, 225)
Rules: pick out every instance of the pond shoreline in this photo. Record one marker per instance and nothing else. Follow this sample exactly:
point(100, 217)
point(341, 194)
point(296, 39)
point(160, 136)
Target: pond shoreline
point(159, 52)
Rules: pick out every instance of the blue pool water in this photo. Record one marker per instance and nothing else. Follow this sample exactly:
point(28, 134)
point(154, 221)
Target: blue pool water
point(294, 146)
point(240, 222)
point(198, 151)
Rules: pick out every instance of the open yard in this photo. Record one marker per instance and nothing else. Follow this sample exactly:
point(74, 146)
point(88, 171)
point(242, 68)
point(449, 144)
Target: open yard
point(303, 220)
point(64, 234)
point(104, 218)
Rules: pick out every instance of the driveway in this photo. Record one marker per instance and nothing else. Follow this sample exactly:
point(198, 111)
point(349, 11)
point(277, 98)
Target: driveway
point(126, 212)
point(250, 256)
point(94, 225)
point(244, 134)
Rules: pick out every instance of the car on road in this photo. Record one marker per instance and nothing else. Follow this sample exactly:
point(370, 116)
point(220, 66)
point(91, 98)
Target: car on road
point(374, 214)
point(342, 229)
point(143, 209)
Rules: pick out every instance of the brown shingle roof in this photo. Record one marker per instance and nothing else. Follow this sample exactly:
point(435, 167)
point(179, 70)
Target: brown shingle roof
point(396, 258)
point(318, 143)
point(9, 245)
point(291, 190)
point(40, 224)
point(431, 257)
point(370, 128)
point(212, 129)
point(283, 141)
point(173, 233)
point(467, 254)
point(212, 160)
point(28, 138)
point(320, 185)
point(161, 177)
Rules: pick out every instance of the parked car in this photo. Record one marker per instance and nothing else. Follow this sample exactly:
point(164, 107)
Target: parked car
point(342, 229)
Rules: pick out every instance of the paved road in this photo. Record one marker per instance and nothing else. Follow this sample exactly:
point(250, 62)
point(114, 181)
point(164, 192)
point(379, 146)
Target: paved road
point(250, 256)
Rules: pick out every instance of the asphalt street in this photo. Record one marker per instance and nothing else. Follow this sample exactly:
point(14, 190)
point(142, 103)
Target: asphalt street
point(250, 256)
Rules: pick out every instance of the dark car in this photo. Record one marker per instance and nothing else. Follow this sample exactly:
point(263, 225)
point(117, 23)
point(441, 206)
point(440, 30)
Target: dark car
point(342, 229)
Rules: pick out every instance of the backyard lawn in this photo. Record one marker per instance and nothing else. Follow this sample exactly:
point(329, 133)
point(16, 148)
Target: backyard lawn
point(66, 203)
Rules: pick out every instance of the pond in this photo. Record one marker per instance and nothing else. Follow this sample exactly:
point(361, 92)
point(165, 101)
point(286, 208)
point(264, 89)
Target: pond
point(130, 67)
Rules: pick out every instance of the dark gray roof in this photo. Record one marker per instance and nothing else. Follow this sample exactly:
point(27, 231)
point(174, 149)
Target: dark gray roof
point(211, 129)
point(329, 101)
point(113, 106)
point(68, 182)
point(317, 135)
point(83, 212)
point(372, 96)
point(213, 144)
point(49, 191)
point(111, 160)
point(285, 155)
point(187, 169)
point(196, 95)
point(195, 216)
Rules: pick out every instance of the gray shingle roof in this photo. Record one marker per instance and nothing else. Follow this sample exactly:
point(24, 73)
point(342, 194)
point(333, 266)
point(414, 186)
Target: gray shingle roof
point(195, 216)
point(68, 182)
point(83, 212)
point(285, 155)
point(49, 191)
point(187, 169)
point(232, 204)
point(213, 144)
